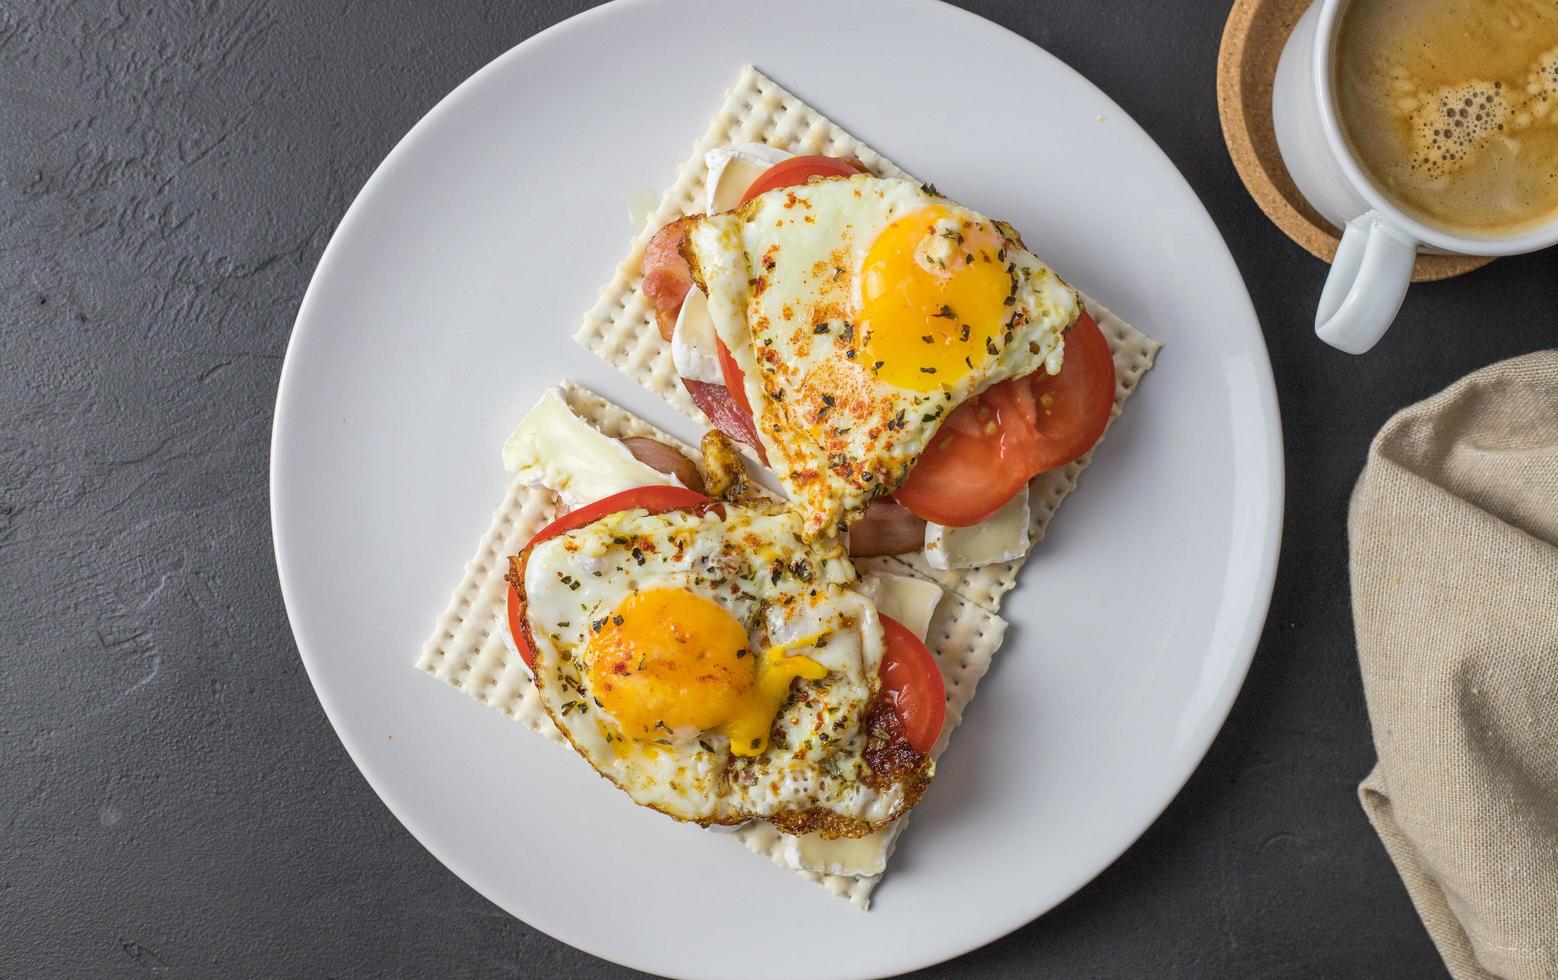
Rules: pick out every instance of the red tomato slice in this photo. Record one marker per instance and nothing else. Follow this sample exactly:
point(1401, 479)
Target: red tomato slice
point(913, 682)
point(656, 500)
point(734, 379)
point(966, 474)
point(798, 170)
point(1074, 405)
point(991, 446)
point(527, 653)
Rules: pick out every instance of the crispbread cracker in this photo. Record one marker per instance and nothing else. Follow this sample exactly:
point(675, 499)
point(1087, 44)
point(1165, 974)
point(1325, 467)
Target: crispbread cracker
point(621, 327)
point(468, 650)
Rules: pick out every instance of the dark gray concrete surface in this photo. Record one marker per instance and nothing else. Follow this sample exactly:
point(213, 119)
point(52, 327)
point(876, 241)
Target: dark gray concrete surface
point(172, 799)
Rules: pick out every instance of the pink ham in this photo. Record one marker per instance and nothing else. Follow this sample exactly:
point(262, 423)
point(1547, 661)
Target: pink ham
point(657, 455)
point(886, 528)
point(666, 275)
point(722, 410)
point(666, 281)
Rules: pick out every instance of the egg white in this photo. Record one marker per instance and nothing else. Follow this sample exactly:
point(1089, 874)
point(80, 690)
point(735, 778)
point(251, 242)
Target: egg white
point(786, 265)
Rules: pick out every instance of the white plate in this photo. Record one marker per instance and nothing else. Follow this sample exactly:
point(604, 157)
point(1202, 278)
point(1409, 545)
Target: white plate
point(444, 305)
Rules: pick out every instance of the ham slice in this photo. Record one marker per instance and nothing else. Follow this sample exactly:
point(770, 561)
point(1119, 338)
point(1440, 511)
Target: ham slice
point(726, 415)
point(667, 459)
point(886, 528)
point(667, 276)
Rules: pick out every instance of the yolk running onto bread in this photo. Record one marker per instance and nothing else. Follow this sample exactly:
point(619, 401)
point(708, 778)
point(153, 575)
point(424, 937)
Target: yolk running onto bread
point(669, 662)
point(934, 296)
point(748, 728)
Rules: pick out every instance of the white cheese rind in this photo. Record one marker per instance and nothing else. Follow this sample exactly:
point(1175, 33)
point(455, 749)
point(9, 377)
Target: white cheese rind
point(694, 347)
point(1001, 537)
point(857, 857)
point(909, 599)
point(554, 448)
point(732, 169)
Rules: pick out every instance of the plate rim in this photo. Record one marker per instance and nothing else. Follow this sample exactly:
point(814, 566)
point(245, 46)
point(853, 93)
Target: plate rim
point(1246, 644)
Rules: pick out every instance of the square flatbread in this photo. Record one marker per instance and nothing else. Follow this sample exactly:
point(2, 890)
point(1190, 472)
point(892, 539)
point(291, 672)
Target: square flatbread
point(468, 648)
point(621, 326)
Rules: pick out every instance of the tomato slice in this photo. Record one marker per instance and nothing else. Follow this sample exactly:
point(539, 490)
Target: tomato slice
point(734, 379)
point(527, 653)
point(913, 682)
point(655, 500)
point(1074, 405)
point(991, 446)
point(798, 170)
point(966, 473)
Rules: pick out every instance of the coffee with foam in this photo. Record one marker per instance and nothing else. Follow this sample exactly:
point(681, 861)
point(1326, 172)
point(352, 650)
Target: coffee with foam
point(1451, 107)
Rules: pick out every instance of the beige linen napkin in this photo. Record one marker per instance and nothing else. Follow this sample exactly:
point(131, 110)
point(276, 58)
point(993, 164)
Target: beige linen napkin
point(1454, 562)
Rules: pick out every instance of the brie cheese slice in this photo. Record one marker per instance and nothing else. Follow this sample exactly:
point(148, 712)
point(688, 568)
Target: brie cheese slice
point(1001, 537)
point(732, 169)
point(910, 600)
point(857, 857)
point(554, 448)
point(693, 343)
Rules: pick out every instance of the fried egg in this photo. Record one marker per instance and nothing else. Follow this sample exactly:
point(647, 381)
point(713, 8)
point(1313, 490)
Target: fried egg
point(717, 668)
point(862, 310)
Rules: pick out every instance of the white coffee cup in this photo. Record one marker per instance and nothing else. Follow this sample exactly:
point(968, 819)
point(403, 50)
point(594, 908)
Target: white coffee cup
point(1380, 243)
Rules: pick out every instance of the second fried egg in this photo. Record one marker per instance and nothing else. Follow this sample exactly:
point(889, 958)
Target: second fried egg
point(861, 311)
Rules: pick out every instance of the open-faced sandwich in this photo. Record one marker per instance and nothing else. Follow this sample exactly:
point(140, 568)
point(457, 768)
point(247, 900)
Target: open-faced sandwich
point(914, 376)
point(666, 618)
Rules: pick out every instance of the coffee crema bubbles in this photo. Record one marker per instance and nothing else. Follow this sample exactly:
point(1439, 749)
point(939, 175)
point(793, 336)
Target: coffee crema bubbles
point(1451, 106)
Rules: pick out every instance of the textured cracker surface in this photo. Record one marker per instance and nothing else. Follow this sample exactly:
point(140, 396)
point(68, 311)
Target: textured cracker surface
point(467, 648)
point(621, 327)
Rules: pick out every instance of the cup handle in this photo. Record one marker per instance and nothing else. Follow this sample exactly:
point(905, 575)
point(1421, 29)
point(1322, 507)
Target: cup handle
point(1368, 281)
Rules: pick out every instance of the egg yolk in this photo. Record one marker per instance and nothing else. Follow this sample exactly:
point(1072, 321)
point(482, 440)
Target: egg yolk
point(935, 293)
point(668, 662)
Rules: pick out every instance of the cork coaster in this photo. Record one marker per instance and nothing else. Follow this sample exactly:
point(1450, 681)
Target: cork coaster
point(1252, 43)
